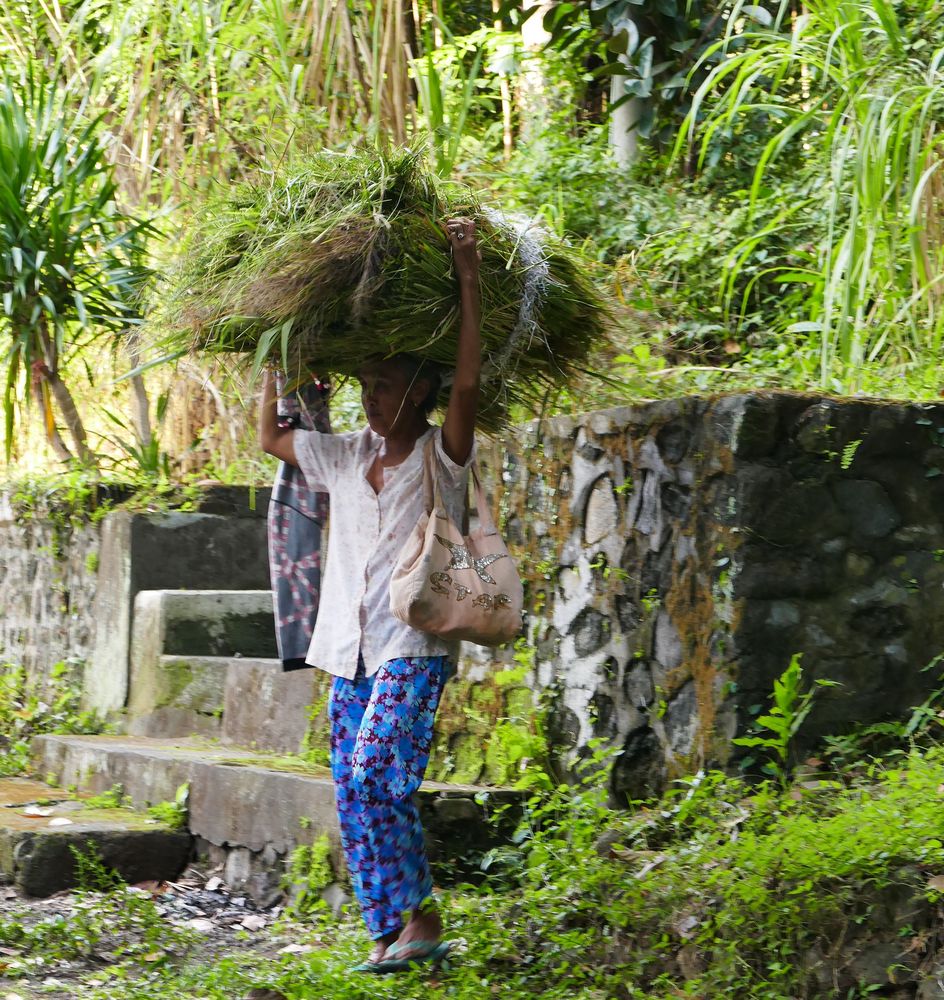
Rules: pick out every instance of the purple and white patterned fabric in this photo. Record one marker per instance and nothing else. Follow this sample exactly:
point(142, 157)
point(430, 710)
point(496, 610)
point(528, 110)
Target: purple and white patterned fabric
point(381, 734)
point(297, 516)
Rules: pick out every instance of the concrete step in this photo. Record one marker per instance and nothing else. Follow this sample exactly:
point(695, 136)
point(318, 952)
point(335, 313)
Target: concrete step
point(181, 646)
point(205, 622)
point(178, 696)
point(268, 709)
point(42, 826)
point(247, 701)
point(250, 810)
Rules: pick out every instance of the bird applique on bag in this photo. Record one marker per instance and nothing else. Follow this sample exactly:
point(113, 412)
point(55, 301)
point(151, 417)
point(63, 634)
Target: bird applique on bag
point(455, 585)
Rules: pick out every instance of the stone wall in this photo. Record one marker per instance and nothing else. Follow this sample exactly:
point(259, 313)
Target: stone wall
point(679, 553)
point(47, 587)
point(67, 583)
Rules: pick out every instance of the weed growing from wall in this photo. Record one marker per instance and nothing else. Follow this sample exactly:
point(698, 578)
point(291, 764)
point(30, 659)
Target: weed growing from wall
point(173, 814)
point(25, 711)
point(308, 874)
point(776, 730)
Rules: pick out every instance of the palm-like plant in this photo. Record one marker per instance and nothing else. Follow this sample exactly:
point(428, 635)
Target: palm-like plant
point(859, 94)
point(71, 263)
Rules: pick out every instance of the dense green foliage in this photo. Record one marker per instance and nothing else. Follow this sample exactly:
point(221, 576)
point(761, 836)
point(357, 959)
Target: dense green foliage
point(722, 888)
point(780, 226)
point(71, 264)
point(856, 95)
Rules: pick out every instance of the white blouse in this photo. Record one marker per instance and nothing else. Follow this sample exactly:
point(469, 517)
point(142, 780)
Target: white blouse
point(366, 534)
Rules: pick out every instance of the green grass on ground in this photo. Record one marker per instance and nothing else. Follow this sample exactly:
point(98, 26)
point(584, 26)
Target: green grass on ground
point(721, 889)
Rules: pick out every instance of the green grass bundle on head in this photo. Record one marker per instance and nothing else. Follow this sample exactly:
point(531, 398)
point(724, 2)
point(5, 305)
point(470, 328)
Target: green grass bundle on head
point(346, 258)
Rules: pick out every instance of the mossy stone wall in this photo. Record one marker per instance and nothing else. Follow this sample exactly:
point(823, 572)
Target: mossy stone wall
point(678, 553)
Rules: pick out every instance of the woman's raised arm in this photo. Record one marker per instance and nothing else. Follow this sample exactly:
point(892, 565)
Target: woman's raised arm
point(458, 431)
point(275, 440)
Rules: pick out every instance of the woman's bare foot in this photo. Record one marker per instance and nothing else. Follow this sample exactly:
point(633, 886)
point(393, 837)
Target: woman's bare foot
point(424, 927)
point(381, 945)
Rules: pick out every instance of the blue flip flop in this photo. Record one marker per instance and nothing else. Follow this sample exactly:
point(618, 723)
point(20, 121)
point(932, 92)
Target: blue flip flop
point(366, 966)
point(399, 958)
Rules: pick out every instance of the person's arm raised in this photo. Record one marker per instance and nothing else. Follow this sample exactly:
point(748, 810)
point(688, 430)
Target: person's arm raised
point(458, 430)
point(274, 440)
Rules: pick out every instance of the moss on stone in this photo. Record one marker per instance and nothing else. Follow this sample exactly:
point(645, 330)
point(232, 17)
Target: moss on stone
point(175, 677)
point(519, 703)
point(467, 759)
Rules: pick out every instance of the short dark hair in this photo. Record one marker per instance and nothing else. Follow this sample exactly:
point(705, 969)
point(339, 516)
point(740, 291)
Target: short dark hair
point(415, 367)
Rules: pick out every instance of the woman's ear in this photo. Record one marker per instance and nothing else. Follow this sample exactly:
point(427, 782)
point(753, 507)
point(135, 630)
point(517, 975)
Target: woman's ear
point(419, 391)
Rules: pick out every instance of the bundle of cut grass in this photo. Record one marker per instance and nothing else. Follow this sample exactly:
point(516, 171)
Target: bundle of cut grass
point(347, 259)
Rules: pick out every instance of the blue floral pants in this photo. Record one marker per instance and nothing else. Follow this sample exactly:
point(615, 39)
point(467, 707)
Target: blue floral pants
point(381, 733)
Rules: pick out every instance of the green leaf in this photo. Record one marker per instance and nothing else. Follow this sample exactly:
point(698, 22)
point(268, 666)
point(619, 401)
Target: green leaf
point(80, 307)
point(758, 14)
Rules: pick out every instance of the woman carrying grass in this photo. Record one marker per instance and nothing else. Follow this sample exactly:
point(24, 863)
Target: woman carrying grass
point(388, 677)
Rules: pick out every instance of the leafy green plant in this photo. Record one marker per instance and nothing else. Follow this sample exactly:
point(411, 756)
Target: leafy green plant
point(112, 798)
point(175, 813)
point(855, 86)
point(790, 707)
point(26, 711)
point(309, 872)
point(72, 265)
point(146, 457)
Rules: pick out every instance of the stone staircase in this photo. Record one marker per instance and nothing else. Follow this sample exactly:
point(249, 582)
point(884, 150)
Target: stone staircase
point(203, 664)
point(210, 707)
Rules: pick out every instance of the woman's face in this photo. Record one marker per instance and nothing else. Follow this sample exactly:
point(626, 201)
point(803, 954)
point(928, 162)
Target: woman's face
point(385, 388)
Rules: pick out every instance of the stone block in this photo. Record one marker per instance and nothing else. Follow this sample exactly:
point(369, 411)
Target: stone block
point(868, 507)
point(44, 862)
point(177, 696)
point(38, 843)
point(181, 651)
point(268, 708)
point(203, 623)
point(138, 552)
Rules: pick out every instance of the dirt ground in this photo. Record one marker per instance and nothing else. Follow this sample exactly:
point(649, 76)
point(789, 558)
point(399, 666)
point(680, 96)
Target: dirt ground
point(196, 915)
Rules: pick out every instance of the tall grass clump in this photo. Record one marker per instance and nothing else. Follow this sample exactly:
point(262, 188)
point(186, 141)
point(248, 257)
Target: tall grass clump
point(857, 90)
point(345, 257)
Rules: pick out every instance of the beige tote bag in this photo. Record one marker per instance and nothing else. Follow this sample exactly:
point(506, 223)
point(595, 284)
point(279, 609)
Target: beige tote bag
point(455, 585)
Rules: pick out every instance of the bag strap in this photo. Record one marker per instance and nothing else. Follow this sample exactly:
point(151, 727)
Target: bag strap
point(433, 493)
point(430, 486)
point(486, 521)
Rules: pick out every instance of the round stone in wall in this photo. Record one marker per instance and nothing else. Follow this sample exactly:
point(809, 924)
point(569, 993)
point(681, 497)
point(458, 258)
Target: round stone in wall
point(601, 516)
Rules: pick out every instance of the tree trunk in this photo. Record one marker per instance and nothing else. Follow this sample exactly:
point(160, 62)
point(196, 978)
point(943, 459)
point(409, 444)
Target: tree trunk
point(140, 403)
point(70, 415)
point(624, 139)
point(61, 394)
point(534, 91)
point(49, 424)
point(505, 91)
